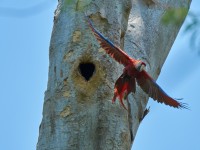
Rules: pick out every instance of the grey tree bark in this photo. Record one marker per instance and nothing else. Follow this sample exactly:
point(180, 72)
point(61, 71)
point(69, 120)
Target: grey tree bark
point(78, 112)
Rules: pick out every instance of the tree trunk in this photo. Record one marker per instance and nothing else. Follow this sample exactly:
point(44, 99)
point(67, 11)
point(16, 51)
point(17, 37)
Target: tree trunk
point(78, 112)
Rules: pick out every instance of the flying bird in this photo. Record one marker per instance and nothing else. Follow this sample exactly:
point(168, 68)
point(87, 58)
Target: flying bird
point(134, 71)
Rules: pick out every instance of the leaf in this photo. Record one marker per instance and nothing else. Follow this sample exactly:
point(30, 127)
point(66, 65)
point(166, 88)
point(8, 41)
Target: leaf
point(190, 26)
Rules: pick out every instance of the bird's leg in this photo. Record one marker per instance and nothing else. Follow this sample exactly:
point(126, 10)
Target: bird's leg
point(126, 95)
point(144, 114)
point(122, 103)
point(125, 98)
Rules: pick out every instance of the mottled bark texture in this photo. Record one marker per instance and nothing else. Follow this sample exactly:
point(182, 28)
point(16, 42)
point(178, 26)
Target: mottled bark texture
point(78, 113)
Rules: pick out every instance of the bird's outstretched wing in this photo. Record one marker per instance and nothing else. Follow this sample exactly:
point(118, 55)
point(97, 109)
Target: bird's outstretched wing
point(115, 52)
point(154, 91)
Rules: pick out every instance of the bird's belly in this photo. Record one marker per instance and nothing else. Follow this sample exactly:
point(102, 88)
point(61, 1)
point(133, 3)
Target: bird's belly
point(132, 72)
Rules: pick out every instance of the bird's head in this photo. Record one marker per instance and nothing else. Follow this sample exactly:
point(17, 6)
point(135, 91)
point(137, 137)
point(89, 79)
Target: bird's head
point(140, 65)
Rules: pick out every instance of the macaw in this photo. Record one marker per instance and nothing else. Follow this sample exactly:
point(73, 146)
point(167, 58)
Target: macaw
point(133, 72)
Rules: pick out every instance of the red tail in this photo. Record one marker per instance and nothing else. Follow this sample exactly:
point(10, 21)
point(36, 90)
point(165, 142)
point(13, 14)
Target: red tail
point(123, 86)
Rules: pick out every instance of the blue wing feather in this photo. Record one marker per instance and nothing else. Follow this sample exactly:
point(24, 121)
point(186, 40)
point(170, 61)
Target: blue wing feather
point(111, 49)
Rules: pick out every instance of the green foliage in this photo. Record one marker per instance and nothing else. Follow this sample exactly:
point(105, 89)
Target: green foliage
point(193, 24)
point(174, 16)
point(192, 28)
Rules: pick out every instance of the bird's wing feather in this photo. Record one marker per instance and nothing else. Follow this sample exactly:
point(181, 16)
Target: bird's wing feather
point(154, 91)
point(115, 52)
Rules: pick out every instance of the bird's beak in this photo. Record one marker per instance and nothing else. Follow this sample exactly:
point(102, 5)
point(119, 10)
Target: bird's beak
point(142, 67)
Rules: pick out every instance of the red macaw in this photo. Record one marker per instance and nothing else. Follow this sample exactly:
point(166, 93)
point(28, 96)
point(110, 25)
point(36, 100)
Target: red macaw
point(133, 72)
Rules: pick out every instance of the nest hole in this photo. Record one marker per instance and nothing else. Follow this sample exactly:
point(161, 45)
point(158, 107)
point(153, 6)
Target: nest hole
point(87, 70)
